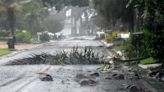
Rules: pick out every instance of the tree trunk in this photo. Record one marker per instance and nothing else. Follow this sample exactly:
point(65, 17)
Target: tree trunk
point(11, 21)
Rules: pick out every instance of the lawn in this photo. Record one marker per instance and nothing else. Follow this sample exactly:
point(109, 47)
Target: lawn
point(4, 51)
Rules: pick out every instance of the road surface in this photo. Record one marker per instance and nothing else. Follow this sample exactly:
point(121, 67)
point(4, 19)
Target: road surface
point(25, 78)
point(56, 46)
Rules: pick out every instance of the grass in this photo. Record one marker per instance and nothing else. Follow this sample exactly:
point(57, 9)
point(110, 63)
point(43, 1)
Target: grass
point(4, 51)
point(148, 61)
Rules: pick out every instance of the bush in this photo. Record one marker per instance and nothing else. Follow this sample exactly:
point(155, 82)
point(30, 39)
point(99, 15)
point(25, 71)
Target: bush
point(23, 37)
point(3, 38)
point(4, 34)
point(115, 35)
point(138, 46)
point(44, 37)
point(34, 40)
point(108, 38)
point(148, 61)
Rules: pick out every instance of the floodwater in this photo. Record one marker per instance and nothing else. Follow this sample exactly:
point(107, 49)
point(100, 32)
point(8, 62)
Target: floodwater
point(25, 78)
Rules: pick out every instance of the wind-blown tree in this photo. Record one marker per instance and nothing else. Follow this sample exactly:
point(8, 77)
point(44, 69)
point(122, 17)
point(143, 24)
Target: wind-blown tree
point(151, 19)
point(100, 22)
point(54, 23)
point(32, 16)
point(146, 15)
point(59, 4)
point(10, 7)
point(114, 11)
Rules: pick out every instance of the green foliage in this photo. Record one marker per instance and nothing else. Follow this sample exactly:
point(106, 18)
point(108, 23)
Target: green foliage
point(151, 17)
point(129, 49)
point(23, 37)
point(32, 16)
point(34, 40)
point(44, 37)
point(100, 21)
point(108, 38)
point(137, 46)
point(148, 61)
point(115, 10)
point(54, 23)
point(148, 15)
point(4, 34)
point(59, 4)
point(115, 34)
point(3, 38)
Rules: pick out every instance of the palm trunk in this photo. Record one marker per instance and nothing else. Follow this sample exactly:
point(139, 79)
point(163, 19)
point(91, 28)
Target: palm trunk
point(11, 21)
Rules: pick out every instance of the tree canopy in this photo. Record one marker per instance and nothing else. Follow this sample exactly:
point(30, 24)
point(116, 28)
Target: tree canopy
point(150, 17)
point(59, 4)
point(115, 11)
point(54, 23)
point(145, 16)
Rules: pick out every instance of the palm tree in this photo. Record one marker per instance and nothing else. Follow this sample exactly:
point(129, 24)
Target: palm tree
point(10, 8)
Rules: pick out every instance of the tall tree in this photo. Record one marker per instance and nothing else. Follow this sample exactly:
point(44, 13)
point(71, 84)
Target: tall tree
point(59, 4)
point(32, 16)
point(151, 18)
point(54, 23)
point(10, 8)
point(115, 10)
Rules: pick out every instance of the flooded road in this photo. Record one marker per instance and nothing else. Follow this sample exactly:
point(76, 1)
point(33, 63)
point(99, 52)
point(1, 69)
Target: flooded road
point(56, 46)
point(26, 78)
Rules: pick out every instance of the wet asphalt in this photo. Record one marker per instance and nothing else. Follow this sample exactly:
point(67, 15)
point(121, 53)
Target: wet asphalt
point(25, 78)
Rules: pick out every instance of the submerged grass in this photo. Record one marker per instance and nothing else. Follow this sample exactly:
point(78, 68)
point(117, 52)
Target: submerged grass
point(74, 57)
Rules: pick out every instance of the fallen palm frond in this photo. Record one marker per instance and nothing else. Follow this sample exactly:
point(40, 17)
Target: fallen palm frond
point(74, 56)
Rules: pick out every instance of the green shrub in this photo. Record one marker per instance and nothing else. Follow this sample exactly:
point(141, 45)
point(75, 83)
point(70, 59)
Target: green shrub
point(34, 40)
point(138, 46)
point(114, 35)
point(108, 38)
point(23, 37)
point(148, 61)
point(3, 38)
point(4, 34)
